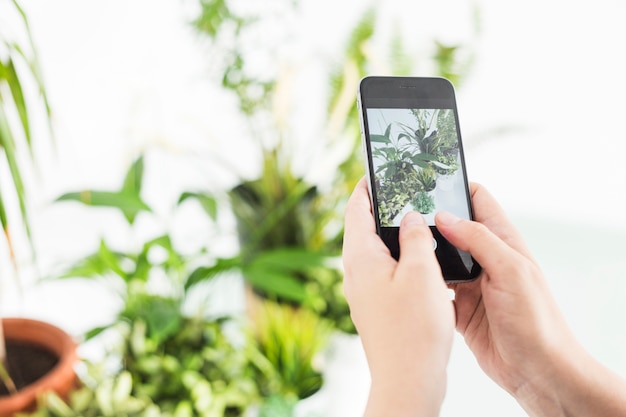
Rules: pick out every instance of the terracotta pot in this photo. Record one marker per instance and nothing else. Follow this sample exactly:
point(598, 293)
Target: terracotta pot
point(60, 379)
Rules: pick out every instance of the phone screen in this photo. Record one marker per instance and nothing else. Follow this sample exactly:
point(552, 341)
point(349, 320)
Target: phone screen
point(415, 161)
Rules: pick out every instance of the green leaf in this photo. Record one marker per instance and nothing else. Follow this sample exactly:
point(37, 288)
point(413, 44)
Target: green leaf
point(18, 98)
point(161, 314)
point(422, 160)
point(208, 203)
point(90, 334)
point(388, 131)
point(3, 219)
point(56, 405)
point(7, 142)
point(293, 259)
point(276, 282)
point(98, 264)
point(134, 179)
point(130, 204)
point(203, 273)
point(379, 138)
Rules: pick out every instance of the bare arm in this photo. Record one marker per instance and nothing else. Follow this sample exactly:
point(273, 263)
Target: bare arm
point(401, 310)
point(515, 329)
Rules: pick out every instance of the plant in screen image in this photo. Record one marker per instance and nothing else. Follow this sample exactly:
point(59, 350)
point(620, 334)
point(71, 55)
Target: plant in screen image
point(401, 168)
point(427, 180)
point(423, 202)
point(396, 175)
point(410, 161)
point(436, 135)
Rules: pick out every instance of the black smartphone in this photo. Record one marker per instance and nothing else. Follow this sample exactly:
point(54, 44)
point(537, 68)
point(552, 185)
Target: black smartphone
point(414, 160)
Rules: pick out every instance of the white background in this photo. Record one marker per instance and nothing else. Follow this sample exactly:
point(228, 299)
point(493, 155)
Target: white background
point(541, 117)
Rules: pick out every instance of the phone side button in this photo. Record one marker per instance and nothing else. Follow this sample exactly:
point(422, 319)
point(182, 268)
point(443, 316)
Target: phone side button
point(434, 244)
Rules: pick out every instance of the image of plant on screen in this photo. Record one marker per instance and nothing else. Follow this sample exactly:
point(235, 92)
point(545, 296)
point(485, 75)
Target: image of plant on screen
point(414, 149)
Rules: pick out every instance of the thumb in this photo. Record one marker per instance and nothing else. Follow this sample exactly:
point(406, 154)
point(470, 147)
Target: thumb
point(416, 244)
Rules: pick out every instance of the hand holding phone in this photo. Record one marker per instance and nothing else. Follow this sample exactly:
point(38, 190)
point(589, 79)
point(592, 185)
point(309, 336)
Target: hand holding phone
point(414, 160)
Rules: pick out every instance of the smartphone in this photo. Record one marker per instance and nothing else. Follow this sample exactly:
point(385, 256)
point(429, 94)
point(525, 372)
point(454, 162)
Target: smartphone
point(414, 161)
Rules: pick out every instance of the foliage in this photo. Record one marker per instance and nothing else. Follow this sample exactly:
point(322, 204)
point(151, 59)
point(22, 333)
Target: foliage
point(285, 342)
point(426, 179)
point(423, 202)
point(396, 173)
point(412, 160)
point(111, 396)
point(179, 361)
point(127, 199)
point(19, 65)
point(193, 367)
point(279, 211)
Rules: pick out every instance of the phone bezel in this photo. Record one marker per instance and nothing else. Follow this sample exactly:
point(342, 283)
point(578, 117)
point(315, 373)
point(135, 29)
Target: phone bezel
point(413, 92)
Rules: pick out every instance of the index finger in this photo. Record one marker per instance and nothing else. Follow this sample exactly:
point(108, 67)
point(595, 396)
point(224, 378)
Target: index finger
point(488, 212)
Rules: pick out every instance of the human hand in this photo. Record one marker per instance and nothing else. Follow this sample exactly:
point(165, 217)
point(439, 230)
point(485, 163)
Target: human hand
point(514, 327)
point(401, 310)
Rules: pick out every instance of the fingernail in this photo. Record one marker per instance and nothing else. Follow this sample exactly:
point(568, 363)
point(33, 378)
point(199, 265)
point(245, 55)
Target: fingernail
point(447, 219)
point(413, 218)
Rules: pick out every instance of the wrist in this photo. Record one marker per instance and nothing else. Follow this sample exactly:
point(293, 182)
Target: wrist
point(411, 393)
point(574, 385)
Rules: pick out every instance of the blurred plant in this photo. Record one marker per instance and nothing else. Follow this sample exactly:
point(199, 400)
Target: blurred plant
point(284, 344)
point(19, 68)
point(111, 396)
point(280, 214)
point(179, 361)
point(6, 379)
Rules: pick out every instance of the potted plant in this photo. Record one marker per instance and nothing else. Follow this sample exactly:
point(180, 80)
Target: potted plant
point(36, 356)
point(423, 202)
point(285, 344)
point(426, 179)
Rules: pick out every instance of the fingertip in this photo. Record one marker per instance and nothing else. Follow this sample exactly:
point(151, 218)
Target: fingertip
point(447, 219)
point(412, 219)
point(415, 235)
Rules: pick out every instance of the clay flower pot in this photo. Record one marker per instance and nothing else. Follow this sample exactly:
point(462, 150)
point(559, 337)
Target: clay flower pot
point(51, 342)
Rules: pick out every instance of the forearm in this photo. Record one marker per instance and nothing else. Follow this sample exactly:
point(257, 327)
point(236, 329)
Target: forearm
point(404, 396)
point(581, 387)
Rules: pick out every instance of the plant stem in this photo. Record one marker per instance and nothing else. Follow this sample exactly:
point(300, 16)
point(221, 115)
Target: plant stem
point(4, 374)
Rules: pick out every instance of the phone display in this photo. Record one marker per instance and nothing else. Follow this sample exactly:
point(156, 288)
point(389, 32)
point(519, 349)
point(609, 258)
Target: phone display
point(415, 161)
